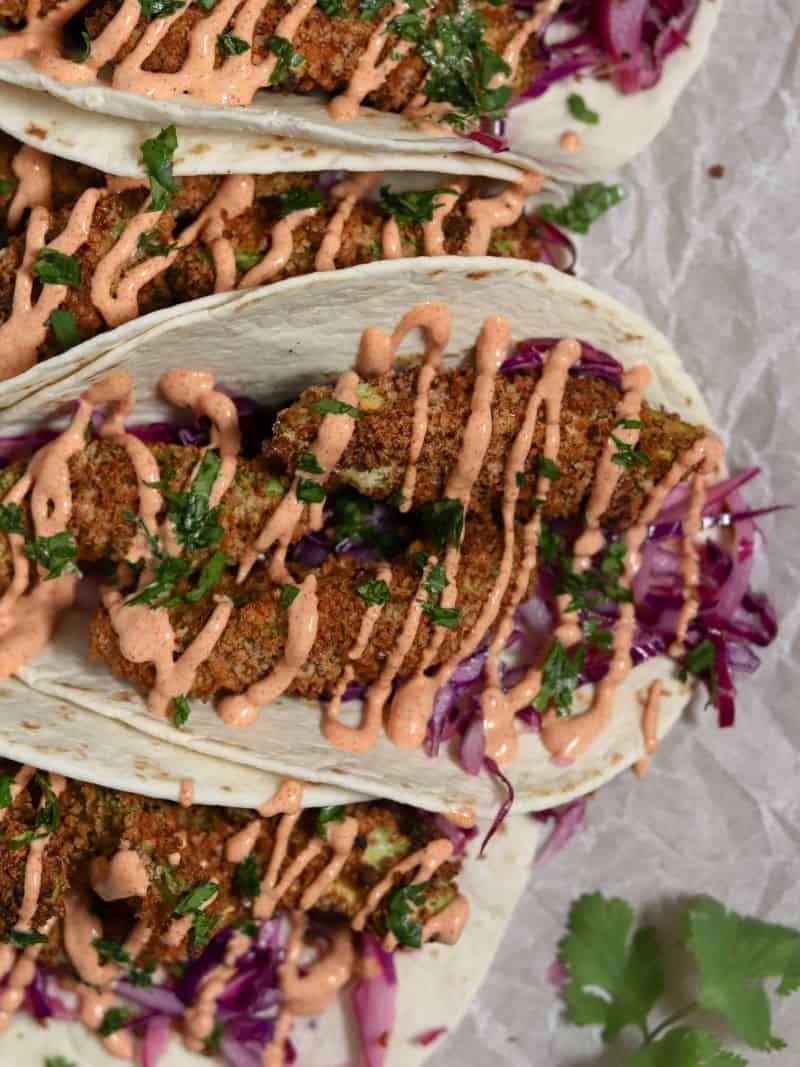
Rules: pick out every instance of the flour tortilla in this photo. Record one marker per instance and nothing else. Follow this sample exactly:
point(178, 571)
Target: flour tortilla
point(627, 125)
point(435, 984)
point(270, 345)
point(112, 145)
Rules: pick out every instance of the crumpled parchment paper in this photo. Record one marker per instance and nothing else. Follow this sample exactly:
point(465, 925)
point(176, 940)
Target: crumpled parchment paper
point(715, 264)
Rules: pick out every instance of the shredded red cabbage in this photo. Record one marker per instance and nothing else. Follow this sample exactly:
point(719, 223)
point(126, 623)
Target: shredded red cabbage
point(626, 40)
point(374, 1000)
point(427, 1037)
point(567, 820)
point(505, 807)
point(593, 363)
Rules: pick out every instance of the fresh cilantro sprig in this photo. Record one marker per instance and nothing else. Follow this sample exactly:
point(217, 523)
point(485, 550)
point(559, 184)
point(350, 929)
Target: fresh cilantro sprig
point(701, 662)
point(443, 521)
point(580, 110)
point(588, 203)
point(298, 198)
point(194, 522)
point(65, 328)
point(412, 206)
point(615, 978)
point(560, 673)
point(332, 813)
point(56, 268)
point(286, 59)
point(157, 154)
point(112, 951)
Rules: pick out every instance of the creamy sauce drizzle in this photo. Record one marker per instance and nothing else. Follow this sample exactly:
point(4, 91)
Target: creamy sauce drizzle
point(33, 172)
point(650, 716)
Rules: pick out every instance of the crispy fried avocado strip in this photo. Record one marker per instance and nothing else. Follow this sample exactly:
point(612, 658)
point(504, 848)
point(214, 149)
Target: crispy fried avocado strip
point(255, 637)
point(94, 823)
point(376, 458)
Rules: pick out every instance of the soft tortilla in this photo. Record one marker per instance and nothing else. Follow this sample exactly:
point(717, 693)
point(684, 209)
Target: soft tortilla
point(271, 344)
point(435, 984)
point(628, 123)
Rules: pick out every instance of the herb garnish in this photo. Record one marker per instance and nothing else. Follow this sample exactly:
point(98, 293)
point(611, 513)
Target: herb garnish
point(150, 244)
point(615, 979)
point(210, 573)
point(627, 455)
point(159, 9)
point(194, 522)
point(113, 1020)
point(308, 462)
point(246, 878)
point(56, 554)
point(24, 938)
point(58, 1061)
point(580, 110)
point(289, 594)
point(142, 977)
point(588, 203)
point(374, 591)
point(195, 897)
point(435, 580)
point(7, 186)
point(202, 927)
point(547, 468)
point(439, 616)
point(332, 8)
point(286, 58)
point(411, 206)
point(231, 45)
point(181, 710)
point(589, 588)
point(309, 491)
point(367, 9)
point(157, 154)
point(11, 519)
point(6, 796)
point(329, 405)
point(56, 268)
point(298, 198)
point(443, 521)
point(65, 328)
point(560, 674)
point(332, 813)
point(701, 660)
point(403, 906)
point(247, 260)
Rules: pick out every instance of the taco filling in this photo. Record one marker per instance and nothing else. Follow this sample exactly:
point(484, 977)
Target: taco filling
point(459, 549)
point(137, 916)
point(84, 252)
point(458, 65)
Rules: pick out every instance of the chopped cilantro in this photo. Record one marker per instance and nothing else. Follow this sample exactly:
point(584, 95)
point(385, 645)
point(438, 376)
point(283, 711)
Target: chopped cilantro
point(374, 591)
point(521, 479)
point(329, 405)
point(246, 260)
point(194, 522)
point(56, 268)
point(274, 486)
point(588, 203)
point(546, 468)
point(589, 588)
point(58, 1061)
point(202, 927)
point(310, 491)
point(289, 594)
point(113, 1020)
point(368, 9)
point(7, 186)
point(308, 462)
point(580, 110)
point(333, 813)
point(627, 455)
point(550, 545)
point(56, 554)
point(231, 45)
point(213, 1040)
point(195, 897)
point(159, 9)
point(47, 814)
point(180, 710)
point(597, 635)
point(560, 675)
point(246, 878)
point(439, 616)
point(411, 206)
point(24, 938)
point(435, 580)
point(157, 153)
point(443, 521)
point(80, 55)
point(151, 244)
point(286, 59)
point(403, 905)
point(332, 8)
point(110, 950)
point(298, 198)
point(11, 521)
point(701, 660)
point(65, 329)
point(210, 574)
point(6, 796)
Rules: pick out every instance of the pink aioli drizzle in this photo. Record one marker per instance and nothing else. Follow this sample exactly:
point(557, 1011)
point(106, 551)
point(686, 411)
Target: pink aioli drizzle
point(186, 794)
point(370, 74)
point(433, 231)
point(347, 193)
point(123, 876)
point(19, 969)
point(391, 240)
point(570, 141)
point(447, 925)
point(412, 704)
point(199, 1017)
point(544, 10)
point(504, 209)
point(33, 170)
point(341, 839)
point(462, 817)
point(287, 800)
point(26, 327)
point(281, 247)
point(42, 32)
point(570, 737)
point(650, 716)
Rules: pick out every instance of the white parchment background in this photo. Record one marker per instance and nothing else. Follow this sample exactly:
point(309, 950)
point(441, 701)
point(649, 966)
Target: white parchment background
point(715, 264)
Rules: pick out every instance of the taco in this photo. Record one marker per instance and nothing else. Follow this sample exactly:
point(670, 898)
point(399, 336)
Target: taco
point(90, 258)
point(254, 931)
point(388, 586)
point(573, 88)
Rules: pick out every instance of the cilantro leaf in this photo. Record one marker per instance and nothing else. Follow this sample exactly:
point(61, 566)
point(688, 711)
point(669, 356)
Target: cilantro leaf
point(599, 954)
point(580, 110)
point(159, 9)
point(310, 491)
point(150, 244)
point(231, 45)
point(181, 710)
point(701, 660)
point(628, 455)
point(7, 186)
point(11, 521)
point(308, 462)
point(56, 268)
point(246, 260)
point(329, 405)
point(547, 468)
point(298, 198)
point(24, 938)
point(588, 203)
point(65, 329)
point(110, 950)
point(58, 1061)
point(439, 616)
point(400, 918)
point(374, 591)
point(56, 554)
point(735, 955)
point(246, 878)
point(157, 153)
point(684, 1047)
point(6, 796)
point(113, 1020)
point(202, 927)
point(211, 572)
point(443, 521)
point(332, 813)
point(289, 594)
point(286, 58)
point(195, 897)
point(194, 522)
point(412, 206)
point(332, 8)
point(560, 674)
